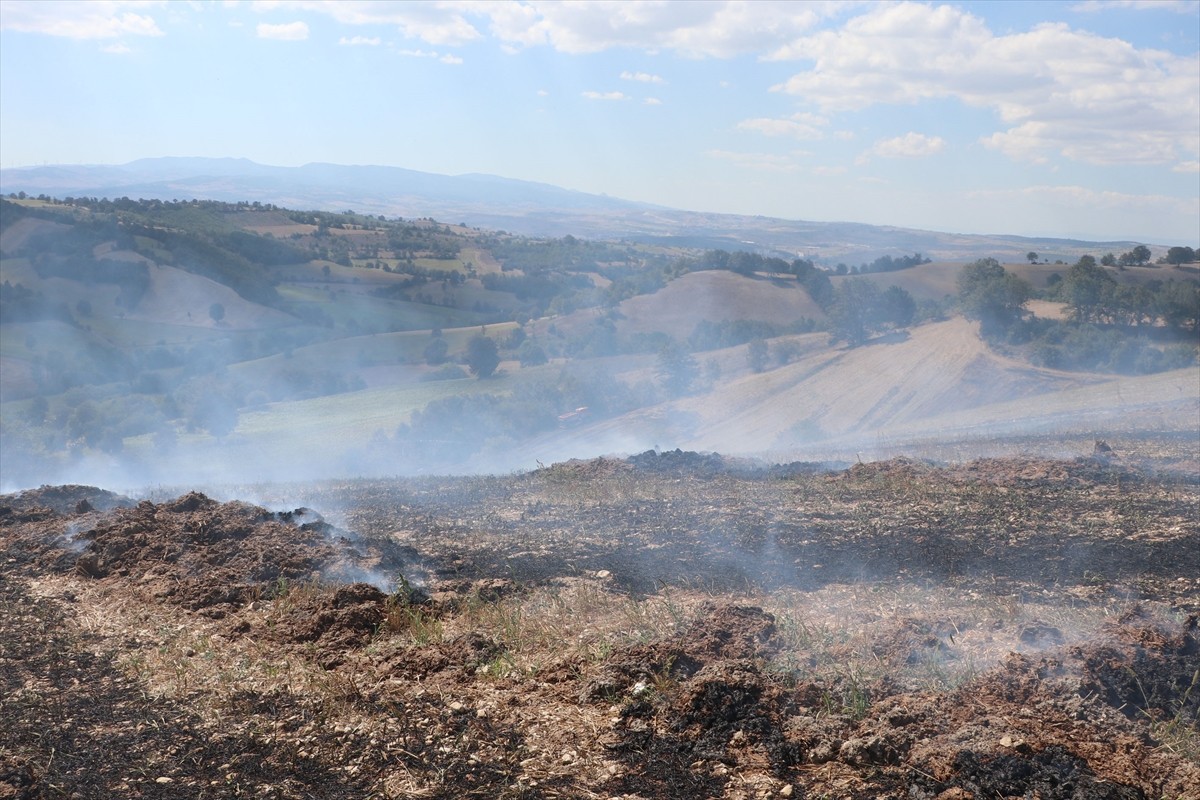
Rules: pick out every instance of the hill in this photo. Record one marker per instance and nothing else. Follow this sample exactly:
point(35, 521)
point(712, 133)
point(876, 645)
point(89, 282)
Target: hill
point(531, 209)
point(938, 389)
point(710, 295)
point(170, 341)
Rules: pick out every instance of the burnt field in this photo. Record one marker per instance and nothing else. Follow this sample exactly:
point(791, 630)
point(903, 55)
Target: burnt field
point(670, 625)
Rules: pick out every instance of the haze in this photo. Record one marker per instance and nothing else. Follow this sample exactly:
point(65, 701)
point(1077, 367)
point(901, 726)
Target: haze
point(552, 264)
point(1060, 119)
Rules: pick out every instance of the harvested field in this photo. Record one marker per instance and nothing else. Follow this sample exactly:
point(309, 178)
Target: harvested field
point(669, 625)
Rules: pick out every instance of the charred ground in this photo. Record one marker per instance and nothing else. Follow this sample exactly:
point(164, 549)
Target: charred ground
point(664, 626)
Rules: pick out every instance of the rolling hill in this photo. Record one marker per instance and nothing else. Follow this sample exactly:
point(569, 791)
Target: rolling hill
point(940, 393)
point(209, 341)
point(531, 209)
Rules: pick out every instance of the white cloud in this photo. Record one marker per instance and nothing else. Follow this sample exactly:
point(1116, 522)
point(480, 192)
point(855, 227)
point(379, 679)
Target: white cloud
point(691, 28)
point(800, 126)
point(641, 77)
point(910, 145)
point(118, 48)
point(542, 93)
point(652, 101)
point(445, 58)
point(1062, 92)
point(762, 162)
point(1179, 6)
point(284, 31)
point(829, 171)
point(72, 19)
point(605, 95)
point(360, 41)
point(1186, 166)
point(435, 23)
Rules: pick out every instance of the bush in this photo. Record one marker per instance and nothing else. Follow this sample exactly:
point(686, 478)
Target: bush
point(482, 356)
point(531, 354)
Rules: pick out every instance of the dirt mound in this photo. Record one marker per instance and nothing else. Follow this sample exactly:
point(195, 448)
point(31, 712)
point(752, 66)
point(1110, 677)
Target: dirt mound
point(1059, 727)
point(331, 619)
point(464, 655)
point(64, 500)
point(679, 462)
point(1145, 669)
point(195, 551)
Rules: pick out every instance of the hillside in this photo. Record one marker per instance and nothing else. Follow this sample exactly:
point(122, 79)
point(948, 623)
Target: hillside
point(940, 389)
point(210, 341)
point(531, 209)
point(711, 295)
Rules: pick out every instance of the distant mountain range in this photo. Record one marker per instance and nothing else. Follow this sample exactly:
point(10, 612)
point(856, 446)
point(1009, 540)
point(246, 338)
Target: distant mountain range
point(525, 207)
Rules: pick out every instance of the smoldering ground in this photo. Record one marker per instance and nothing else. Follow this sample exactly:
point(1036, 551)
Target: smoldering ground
point(661, 625)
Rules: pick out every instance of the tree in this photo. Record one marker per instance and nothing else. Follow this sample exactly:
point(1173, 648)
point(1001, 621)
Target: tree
point(1032, 257)
point(531, 354)
point(1179, 304)
point(677, 369)
point(1181, 255)
point(435, 351)
point(217, 312)
point(897, 307)
point(853, 314)
point(1141, 254)
point(990, 294)
point(482, 356)
point(1108, 260)
point(1087, 289)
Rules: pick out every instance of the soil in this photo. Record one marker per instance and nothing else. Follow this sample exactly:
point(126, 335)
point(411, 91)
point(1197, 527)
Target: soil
point(672, 625)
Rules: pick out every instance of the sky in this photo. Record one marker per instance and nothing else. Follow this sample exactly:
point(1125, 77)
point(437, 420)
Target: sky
point(1074, 119)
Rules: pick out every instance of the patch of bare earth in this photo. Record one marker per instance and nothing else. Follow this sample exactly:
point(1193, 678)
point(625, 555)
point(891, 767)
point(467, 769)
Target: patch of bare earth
point(672, 625)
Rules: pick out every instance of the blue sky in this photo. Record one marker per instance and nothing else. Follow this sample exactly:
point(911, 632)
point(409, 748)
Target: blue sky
point(1035, 118)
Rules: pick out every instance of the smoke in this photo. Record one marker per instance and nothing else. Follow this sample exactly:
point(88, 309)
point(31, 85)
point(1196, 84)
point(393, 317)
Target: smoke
point(133, 361)
point(68, 540)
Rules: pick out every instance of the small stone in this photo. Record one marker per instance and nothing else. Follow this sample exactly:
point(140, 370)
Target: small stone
point(786, 791)
point(164, 779)
point(603, 574)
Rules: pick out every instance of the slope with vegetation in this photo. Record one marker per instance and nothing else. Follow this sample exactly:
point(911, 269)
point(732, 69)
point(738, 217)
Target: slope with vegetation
point(148, 335)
